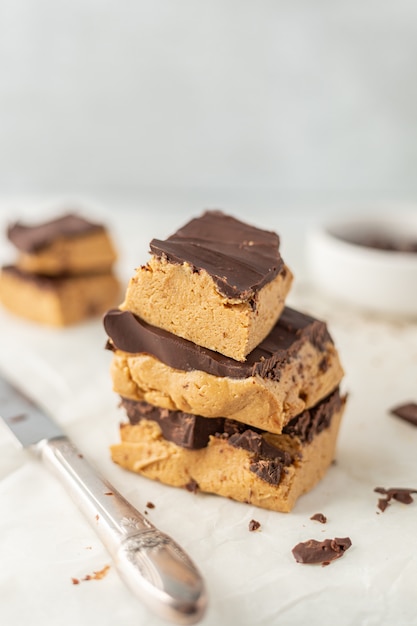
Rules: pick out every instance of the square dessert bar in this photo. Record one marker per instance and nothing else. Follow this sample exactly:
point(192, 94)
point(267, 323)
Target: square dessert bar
point(217, 282)
point(292, 369)
point(57, 300)
point(66, 245)
point(228, 458)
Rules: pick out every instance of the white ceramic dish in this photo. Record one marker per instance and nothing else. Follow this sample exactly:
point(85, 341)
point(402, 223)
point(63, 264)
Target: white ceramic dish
point(378, 280)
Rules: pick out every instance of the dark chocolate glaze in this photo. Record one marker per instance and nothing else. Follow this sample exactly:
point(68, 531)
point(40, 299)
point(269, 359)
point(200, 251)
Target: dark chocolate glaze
point(43, 281)
point(194, 432)
point(33, 238)
point(240, 258)
point(131, 334)
point(313, 421)
point(183, 429)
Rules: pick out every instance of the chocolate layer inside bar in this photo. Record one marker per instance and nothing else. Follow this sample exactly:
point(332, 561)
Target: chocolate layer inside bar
point(268, 460)
point(33, 238)
point(43, 281)
point(194, 431)
point(240, 258)
point(131, 334)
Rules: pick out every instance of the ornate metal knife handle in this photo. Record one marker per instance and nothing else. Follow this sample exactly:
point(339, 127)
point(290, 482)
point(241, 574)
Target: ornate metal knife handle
point(154, 567)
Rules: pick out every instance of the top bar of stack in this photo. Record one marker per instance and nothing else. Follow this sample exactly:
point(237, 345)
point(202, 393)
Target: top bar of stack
point(217, 282)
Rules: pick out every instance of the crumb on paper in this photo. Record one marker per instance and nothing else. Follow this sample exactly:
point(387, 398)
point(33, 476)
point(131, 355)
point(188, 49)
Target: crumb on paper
point(319, 517)
point(402, 495)
point(150, 505)
point(254, 525)
point(94, 576)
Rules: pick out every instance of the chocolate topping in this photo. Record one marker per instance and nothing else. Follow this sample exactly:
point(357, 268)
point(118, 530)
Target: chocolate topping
point(42, 281)
point(194, 432)
point(131, 334)
point(312, 421)
point(240, 258)
point(323, 552)
point(407, 412)
point(33, 238)
point(183, 429)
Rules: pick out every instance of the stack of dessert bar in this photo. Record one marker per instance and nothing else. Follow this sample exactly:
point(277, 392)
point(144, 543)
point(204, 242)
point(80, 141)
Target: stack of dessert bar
point(64, 272)
point(226, 390)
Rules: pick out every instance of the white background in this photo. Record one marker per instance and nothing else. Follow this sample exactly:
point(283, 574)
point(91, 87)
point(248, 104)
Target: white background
point(272, 103)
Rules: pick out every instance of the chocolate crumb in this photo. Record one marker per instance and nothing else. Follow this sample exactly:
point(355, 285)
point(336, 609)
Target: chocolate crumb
point(321, 552)
point(319, 517)
point(192, 486)
point(254, 525)
point(407, 412)
point(98, 575)
point(400, 494)
point(150, 505)
point(109, 493)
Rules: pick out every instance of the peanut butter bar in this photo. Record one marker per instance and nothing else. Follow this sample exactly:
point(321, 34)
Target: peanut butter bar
point(295, 367)
point(66, 245)
point(55, 300)
point(217, 282)
point(231, 460)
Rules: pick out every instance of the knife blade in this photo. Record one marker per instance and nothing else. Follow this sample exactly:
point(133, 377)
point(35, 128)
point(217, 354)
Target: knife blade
point(150, 562)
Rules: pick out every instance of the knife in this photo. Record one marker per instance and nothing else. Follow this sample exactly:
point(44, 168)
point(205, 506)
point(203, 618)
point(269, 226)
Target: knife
point(152, 564)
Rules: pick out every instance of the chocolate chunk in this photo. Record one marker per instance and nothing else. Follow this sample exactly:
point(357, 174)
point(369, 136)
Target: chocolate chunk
point(254, 442)
point(183, 429)
point(269, 470)
point(240, 258)
point(313, 421)
point(400, 494)
point(319, 517)
point(254, 525)
point(192, 486)
point(407, 412)
point(194, 431)
point(316, 552)
point(33, 238)
point(268, 461)
point(131, 334)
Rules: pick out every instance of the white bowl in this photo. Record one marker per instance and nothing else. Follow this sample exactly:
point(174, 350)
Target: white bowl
point(378, 280)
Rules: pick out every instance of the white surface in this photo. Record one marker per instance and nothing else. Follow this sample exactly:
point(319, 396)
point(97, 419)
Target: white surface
point(381, 281)
point(252, 578)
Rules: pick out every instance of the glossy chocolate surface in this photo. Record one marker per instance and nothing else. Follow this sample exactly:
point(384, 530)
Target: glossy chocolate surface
point(129, 333)
point(30, 239)
point(240, 258)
